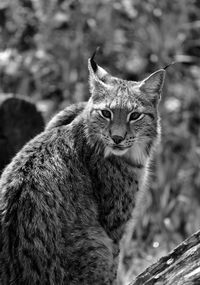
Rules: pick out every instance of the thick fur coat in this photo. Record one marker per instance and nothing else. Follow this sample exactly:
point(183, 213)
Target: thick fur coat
point(67, 196)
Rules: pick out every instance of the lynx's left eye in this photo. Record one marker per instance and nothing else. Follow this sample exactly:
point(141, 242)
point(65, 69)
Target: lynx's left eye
point(106, 114)
point(135, 116)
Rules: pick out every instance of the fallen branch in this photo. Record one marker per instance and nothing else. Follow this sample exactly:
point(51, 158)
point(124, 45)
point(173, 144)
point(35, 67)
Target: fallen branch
point(180, 267)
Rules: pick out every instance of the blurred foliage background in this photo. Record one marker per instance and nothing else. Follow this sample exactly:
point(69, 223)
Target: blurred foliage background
point(44, 47)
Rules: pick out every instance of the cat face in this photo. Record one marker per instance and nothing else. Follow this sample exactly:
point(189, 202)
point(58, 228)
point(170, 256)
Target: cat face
point(123, 114)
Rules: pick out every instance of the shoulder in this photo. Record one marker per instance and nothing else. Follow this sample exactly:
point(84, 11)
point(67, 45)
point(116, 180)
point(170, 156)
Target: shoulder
point(38, 153)
point(66, 116)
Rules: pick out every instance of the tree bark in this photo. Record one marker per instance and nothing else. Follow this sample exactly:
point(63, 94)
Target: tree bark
point(180, 267)
point(20, 121)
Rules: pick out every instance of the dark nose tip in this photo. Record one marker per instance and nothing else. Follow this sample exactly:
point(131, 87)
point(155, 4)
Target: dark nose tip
point(117, 139)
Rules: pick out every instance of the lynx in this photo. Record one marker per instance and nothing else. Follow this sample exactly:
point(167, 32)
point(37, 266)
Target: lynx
point(67, 196)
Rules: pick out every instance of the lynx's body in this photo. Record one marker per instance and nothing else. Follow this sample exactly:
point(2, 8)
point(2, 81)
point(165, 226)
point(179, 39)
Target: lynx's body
point(66, 197)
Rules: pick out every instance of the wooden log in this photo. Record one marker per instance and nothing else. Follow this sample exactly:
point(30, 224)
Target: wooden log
point(180, 267)
point(19, 122)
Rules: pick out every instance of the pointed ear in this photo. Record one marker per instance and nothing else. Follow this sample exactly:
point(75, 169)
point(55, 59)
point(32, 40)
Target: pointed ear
point(153, 84)
point(95, 71)
point(97, 75)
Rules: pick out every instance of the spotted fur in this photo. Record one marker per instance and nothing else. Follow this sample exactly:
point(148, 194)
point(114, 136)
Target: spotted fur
point(67, 196)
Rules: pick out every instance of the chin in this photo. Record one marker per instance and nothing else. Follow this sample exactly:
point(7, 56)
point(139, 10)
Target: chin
point(118, 152)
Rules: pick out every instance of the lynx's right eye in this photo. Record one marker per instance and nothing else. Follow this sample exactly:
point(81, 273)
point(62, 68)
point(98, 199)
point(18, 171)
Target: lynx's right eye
point(106, 114)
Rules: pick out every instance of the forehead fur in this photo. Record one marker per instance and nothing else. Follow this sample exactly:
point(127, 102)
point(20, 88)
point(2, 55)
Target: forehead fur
point(121, 94)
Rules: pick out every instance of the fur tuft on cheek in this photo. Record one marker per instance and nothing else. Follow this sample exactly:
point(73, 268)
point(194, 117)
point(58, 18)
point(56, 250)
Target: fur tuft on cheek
point(96, 130)
point(138, 153)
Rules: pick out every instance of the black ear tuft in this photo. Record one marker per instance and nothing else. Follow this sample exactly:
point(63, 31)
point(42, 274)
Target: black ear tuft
point(92, 61)
point(172, 63)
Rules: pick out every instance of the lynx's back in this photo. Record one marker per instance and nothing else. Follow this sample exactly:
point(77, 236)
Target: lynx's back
point(67, 196)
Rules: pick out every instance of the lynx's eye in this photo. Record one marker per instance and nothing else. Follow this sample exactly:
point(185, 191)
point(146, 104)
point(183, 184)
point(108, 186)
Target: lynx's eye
point(106, 114)
point(135, 116)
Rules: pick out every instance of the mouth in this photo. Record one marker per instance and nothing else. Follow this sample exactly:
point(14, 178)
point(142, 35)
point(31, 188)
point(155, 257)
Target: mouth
point(118, 150)
point(118, 147)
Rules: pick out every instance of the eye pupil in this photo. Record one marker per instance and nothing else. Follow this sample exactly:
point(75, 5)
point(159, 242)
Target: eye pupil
point(106, 114)
point(134, 116)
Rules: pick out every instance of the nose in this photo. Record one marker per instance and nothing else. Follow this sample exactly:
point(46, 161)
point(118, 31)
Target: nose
point(117, 139)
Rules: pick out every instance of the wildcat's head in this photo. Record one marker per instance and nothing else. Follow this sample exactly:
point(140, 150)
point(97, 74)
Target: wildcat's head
point(123, 114)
